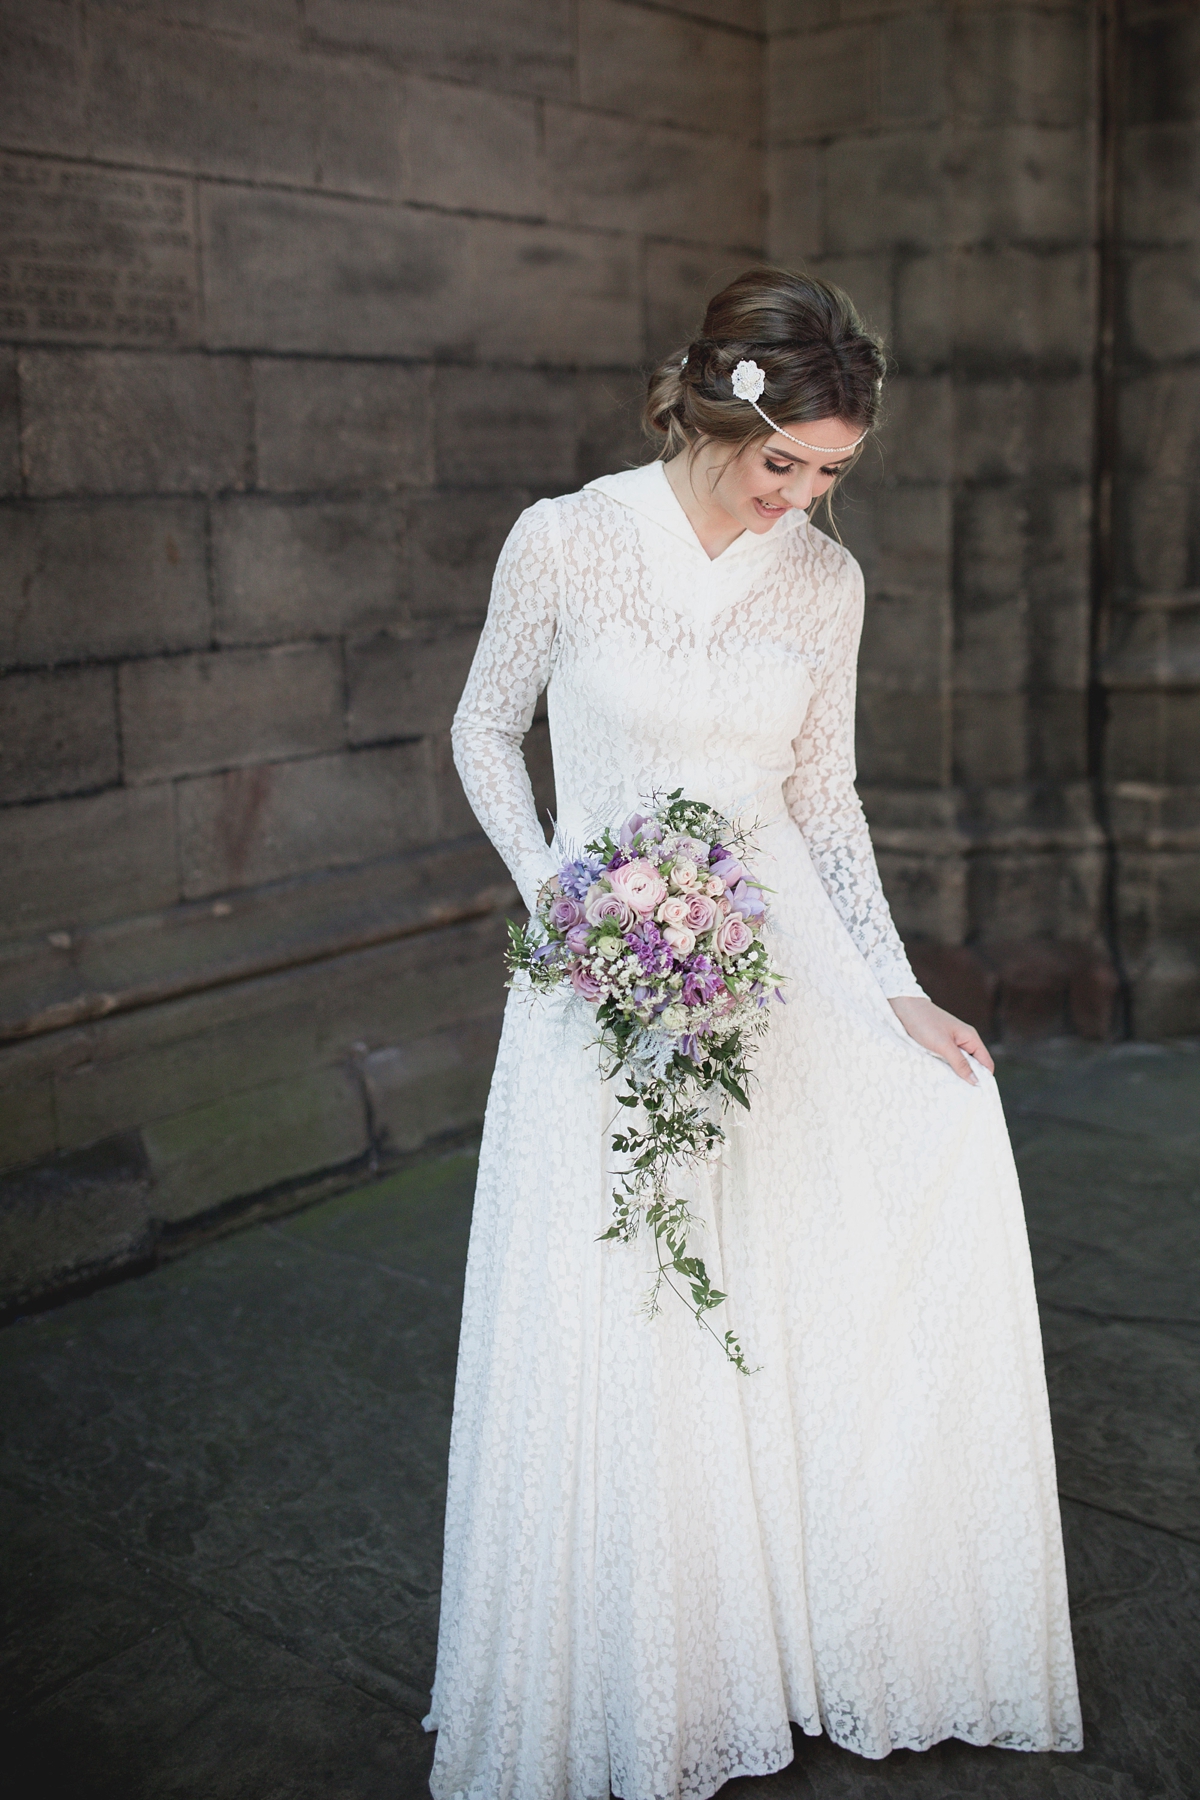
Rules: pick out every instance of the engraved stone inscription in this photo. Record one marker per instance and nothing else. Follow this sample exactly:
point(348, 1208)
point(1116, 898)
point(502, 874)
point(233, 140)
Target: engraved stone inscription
point(95, 256)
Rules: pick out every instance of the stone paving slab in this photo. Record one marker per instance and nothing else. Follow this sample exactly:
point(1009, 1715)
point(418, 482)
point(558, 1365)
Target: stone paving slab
point(221, 1485)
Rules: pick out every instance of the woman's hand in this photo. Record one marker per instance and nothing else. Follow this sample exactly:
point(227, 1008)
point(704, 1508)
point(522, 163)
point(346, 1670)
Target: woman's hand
point(942, 1033)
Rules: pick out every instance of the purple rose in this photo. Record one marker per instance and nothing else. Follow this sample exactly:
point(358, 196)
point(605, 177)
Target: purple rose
point(602, 906)
point(577, 939)
point(585, 984)
point(630, 829)
point(565, 913)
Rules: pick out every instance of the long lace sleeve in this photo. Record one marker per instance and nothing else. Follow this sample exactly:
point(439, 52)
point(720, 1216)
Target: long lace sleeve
point(821, 797)
point(511, 667)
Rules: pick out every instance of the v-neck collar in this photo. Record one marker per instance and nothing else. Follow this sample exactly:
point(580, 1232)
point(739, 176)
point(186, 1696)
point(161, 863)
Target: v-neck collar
point(647, 491)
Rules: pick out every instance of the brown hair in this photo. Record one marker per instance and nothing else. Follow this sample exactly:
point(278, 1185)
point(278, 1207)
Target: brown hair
point(819, 359)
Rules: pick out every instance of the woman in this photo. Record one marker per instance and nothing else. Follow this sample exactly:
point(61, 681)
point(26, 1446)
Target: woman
point(653, 1562)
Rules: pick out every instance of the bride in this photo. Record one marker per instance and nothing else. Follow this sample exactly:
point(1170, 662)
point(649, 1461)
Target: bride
point(654, 1563)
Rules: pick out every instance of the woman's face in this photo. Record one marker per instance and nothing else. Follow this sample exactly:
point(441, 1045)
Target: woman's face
point(774, 475)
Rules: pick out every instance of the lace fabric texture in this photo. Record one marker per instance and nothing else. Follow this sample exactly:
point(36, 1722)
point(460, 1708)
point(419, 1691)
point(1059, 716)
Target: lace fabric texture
point(653, 1563)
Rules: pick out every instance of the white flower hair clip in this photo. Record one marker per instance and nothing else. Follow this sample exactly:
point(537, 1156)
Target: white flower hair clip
point(748, 384)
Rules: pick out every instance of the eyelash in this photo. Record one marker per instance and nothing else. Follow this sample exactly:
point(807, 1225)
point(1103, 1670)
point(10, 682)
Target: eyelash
point(782, 468)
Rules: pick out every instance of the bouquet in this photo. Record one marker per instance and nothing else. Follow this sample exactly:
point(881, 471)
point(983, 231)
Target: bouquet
point(660, 929)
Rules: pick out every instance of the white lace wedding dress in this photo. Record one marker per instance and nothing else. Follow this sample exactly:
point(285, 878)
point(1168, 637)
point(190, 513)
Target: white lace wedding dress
point(652, 1561)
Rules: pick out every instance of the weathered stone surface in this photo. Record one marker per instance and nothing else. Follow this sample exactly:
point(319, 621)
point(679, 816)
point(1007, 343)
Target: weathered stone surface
point(913, 58)
point(1024, 65)
point(678, 283)
point(453, 542)
point(521, 45)
point(87, 579)
point(60, 733)
point(1004, 427)
point(885, 190)
point(312, 568)
point(133, 422)
point(433, 1085)
point(73, 1213)
point(1017, 304)
point(404, 687)
point(10, 438)
point(504, 425)
point(277, 819)
point(466, 147)
point(287, 271)
point(321, 425)
point(820, 83)
point(664, 66)
point(27, 1130)
point(545, 295)
point(629, 175)
point(82, 861)
point(247, 107)
point(796, 201)
point(42, 60)
point(183, 715)
point(1162, 312)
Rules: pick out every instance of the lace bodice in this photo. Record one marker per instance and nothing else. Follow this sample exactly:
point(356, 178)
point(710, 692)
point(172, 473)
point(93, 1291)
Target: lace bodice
point(732, 677)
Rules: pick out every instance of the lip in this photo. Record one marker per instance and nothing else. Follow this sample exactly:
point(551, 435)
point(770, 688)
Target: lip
point(769, 512)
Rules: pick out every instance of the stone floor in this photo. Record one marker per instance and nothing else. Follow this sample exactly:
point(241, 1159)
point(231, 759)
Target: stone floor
point(221, 1484)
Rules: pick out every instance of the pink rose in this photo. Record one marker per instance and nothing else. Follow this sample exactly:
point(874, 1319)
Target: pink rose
point(640, 885)
point(565, 913)
point(733, 935)
point(585, 983)
point(577, 939)
point(601, 906)
point(681, 940)
point(673, 911)
point(714, 886)
point(701, 913)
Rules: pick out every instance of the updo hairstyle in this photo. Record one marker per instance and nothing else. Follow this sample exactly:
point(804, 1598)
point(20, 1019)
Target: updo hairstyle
point(819, 359)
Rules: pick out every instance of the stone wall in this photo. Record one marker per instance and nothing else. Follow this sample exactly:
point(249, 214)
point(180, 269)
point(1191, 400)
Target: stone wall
point(302, 300)
point(301, 303)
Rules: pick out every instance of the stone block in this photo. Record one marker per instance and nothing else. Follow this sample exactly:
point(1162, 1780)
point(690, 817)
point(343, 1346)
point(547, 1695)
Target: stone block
point(626, 175)
point(1057, 733)
point(101, 579)
point(923, 311)
point(780, 16)
point(405, 687)
point(1018, 65)
point(868, 281)
point(26, 1124)
point(608, 425)
point(243, 1143)
point(885, 190)
point(1160, 168)
point(1026, 182)
point(454, 540)
point(455, 818)
point(42, 73)
point(79, 862)
point(422, 1090)
point(744, 15)
point(1160, 422)
point(60, 734)
point(1057, 578)
point(1157, 647)
point(1005, 427)
point(74, 1215)
point(1162, 49)
point(956, 978)
point(188, 714)
point(302, 272)
point(544, 295)
point(990, 732)
point(250, 108)
point(287, 570)
point(268, 18)
point(917, 437)
point(900, 737)
point(10, 432)
point(796, 202)
point(903, 644)
point(468, 148)
point(494, 425)
point(907, 552)
point(133, 422)
point(824, 83)
point(1157, 544)
point(522, 46)
point(664, 66)
point(679, 284)
point(1023, 307)
point(321, 425)
point(1133, 738)
point(1161, 295)
point(277, 819)
point(913, 61)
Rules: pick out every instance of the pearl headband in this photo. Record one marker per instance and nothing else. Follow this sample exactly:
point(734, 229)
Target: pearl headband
point(748, 384)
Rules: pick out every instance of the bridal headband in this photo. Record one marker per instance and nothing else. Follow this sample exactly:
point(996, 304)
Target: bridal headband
point(749, 382)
